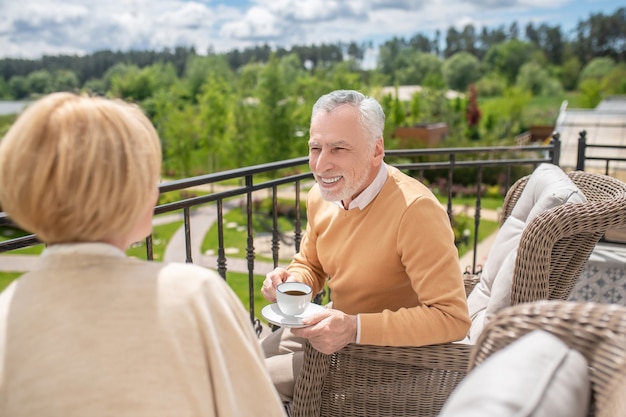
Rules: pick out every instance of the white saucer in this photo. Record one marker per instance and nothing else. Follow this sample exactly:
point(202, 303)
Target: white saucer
point(273, 314)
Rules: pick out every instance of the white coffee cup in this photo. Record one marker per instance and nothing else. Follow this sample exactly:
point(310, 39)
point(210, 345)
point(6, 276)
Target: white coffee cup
point(293, 297)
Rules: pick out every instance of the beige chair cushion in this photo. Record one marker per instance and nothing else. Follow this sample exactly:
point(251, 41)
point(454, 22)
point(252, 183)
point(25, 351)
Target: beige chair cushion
point(547, 187)
point(538, 375)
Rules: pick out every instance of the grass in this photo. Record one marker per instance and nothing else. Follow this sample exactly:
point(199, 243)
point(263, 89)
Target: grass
point(236, 234)
point(486, 228)
point(7, 277)
point(490, 203)
point(160, 236)
point(238, 281)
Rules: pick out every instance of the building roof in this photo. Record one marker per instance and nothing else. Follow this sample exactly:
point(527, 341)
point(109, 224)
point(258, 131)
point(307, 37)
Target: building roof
point(405, 92)
point(604, 125)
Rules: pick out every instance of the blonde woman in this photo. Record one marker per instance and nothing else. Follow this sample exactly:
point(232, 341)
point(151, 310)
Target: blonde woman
point(91, 332)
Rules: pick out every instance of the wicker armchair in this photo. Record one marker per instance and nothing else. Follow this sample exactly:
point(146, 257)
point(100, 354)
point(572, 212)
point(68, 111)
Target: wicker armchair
point(598, 331)
point(415, 381)
point(555, 246)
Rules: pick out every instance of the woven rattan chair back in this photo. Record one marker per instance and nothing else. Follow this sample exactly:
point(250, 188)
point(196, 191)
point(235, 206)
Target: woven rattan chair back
point(598, 331)
point(556, 245)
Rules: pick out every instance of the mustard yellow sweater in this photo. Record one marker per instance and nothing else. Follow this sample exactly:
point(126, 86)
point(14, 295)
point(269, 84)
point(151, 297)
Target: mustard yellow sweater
point(394, 263)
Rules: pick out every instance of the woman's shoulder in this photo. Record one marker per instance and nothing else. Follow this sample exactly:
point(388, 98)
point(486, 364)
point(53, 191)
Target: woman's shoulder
point(188, 271)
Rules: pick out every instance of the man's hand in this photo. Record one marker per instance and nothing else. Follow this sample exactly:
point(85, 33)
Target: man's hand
point(329, 330)
point(272, 280)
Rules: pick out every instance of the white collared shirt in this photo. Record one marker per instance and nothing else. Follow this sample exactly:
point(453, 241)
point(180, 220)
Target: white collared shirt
point(370, 192)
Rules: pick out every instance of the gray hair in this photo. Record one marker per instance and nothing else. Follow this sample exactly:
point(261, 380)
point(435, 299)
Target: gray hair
point(372, 116)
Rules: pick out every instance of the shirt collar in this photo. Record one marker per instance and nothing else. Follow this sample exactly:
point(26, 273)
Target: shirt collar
point(369, 193)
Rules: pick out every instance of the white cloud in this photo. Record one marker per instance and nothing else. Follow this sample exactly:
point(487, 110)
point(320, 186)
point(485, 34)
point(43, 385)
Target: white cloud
point(30, 28)
point(258, 23)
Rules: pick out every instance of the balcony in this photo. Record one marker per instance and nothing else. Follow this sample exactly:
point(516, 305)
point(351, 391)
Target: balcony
point(271, 194)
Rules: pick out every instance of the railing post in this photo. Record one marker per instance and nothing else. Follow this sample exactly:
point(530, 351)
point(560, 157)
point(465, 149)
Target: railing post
point(275, 236)
point(298, 226)
point(477, 210)
point(149, 248)
point(221, 252)
point(250, 244)
point(556, 151)
point(450, 184)
point(582, 148)
point(187, 219)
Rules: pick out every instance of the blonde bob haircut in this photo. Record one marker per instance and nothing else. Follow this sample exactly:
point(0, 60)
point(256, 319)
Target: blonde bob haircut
point(75, 168)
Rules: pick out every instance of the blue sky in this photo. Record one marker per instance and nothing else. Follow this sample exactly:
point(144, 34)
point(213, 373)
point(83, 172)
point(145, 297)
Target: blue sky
point(32, 28)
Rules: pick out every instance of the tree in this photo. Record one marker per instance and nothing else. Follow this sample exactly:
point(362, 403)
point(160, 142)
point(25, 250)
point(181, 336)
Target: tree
point(615, 81)
point(421, 43)
point(508, 57)
point(198, 69)
point(590, 93)
point(133, 84)
point(549, 39)
point(469, 39)
point(95, 86)
point(454, 43)
point(489, 38)
point(569, 73)
point(5, 90)
point(275, 117)
point(460, 70)
point(389, 55)
point(503, 115)
point(419, 66)
point(597, 69)
point(40, 82)
point(602, 36)
point(65, 80)
point(175, 121)
point(536, 79)
point(492, 84)
point(344, 75)
point(357, 52)
point(18, 86)
point(472, 113)
point(216, 120)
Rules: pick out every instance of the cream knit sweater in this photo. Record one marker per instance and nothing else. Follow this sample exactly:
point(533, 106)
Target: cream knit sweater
point(91, 333)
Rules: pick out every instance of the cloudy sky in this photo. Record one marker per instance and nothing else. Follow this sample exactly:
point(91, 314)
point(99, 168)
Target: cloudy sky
point(32, 28)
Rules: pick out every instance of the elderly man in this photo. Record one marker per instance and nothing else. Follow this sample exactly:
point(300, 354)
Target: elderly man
point(378, 237)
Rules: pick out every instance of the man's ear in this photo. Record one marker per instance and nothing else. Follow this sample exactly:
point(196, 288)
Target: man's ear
point(379, 149)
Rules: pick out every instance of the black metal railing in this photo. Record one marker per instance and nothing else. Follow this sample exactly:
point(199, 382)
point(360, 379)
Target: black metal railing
point(241, 188)
point(582, 156)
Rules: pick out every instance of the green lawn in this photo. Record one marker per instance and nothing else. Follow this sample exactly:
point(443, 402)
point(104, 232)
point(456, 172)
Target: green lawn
point(160, 236)
point(6, 278)
point(486, 228)
point(490, 203)
point(238, 281)
point(236, 232)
